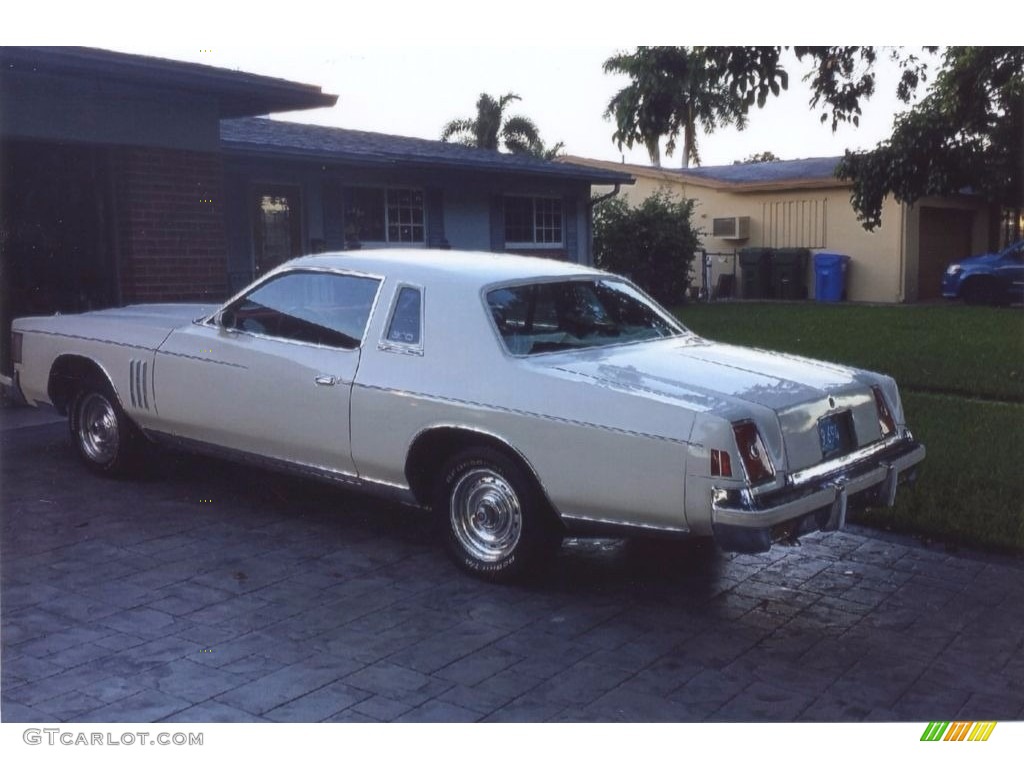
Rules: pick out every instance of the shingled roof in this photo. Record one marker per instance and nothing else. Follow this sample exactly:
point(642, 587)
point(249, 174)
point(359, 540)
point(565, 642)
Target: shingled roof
point(775, 172)
point(280, 138)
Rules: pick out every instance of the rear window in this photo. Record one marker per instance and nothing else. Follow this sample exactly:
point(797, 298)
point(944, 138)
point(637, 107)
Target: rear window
point(575, 314)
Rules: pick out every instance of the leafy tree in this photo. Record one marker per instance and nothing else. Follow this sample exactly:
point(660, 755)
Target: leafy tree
point(673, 90)
point(758, 157)
point(653, 244)
point(967, 133)
point(492, 128)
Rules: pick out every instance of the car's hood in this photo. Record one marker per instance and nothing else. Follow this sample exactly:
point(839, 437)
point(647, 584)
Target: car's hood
point(161, 315)
point(979, 261)
point(137, 325)
point(681, 368)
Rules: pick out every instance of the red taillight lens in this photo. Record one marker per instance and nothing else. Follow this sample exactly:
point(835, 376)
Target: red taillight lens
point(16, 347)
point(885, 421)
point(721, 463)
point(752, 452)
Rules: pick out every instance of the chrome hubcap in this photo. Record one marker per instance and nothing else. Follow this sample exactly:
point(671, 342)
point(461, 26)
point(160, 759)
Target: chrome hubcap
point(97, 428)
point(485, 515)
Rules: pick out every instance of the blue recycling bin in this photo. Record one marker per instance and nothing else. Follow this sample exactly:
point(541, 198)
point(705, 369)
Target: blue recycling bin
point(830, 276)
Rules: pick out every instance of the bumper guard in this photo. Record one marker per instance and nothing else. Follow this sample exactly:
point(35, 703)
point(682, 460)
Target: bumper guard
point(745, 522)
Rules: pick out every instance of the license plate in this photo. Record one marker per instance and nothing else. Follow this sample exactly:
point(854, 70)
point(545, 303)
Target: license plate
point(831, 434)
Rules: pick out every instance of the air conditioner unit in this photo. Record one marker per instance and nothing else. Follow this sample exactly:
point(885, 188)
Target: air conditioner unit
point(731, 228)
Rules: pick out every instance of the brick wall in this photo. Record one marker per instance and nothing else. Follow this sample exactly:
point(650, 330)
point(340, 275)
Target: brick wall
point(171, 225)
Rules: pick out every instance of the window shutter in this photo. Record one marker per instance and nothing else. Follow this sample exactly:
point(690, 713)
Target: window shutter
point(497, 223)
point(569, 221)
point(434, 204)
point(334, 216)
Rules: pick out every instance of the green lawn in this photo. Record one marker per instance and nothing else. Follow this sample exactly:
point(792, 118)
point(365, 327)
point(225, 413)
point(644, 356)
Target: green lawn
point(975, 351)
point(971, 487)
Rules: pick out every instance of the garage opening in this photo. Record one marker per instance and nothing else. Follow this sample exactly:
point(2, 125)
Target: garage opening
point(57, 247)
point(945, 236)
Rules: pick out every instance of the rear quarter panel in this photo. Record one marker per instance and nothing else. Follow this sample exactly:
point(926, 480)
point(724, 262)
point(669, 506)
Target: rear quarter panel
point(598, 453)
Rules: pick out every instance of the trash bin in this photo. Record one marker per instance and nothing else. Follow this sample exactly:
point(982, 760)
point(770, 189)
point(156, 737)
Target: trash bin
point(789, 273)
point(830, 276)
point(756, 272)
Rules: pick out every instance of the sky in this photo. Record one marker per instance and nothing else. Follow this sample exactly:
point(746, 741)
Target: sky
point(414, 90)
point(407, 68)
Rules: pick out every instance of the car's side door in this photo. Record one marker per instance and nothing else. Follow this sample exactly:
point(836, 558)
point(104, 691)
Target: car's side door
point(1010, 271)
point(271, 374)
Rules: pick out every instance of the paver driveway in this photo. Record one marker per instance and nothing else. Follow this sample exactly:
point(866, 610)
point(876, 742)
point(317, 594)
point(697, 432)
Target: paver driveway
point(210, 592)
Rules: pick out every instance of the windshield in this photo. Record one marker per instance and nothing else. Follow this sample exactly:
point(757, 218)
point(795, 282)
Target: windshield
point(575, 314)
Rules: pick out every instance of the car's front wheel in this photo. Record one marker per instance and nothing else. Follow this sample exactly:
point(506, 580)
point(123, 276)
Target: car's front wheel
point(103, 436)
point(499, 524)
point(981, 290)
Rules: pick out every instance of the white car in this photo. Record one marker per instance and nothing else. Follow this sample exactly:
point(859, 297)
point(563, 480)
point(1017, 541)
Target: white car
point(523, 399)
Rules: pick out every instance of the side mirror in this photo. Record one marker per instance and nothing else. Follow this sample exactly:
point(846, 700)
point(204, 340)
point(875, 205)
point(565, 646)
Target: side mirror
point(225, 320)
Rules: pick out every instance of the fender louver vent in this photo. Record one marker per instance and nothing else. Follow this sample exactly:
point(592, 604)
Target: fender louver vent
point(138, 384)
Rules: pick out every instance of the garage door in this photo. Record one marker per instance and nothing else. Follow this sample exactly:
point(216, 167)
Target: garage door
point(945, 236)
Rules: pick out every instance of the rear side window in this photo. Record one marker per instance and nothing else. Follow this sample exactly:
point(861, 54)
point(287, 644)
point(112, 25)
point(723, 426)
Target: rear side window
point(405, 325)
point(313, 307)
point(558, 316)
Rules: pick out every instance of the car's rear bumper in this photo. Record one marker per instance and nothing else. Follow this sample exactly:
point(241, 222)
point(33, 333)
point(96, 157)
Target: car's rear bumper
point(744, 522)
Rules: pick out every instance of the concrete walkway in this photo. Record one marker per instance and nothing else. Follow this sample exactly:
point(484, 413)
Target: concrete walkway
point(207, 592)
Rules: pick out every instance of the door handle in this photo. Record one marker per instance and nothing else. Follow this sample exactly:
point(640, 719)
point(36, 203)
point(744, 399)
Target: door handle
point(325, 381)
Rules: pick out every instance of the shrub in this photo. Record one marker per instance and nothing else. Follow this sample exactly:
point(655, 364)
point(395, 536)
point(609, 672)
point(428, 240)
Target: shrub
point(653, 244)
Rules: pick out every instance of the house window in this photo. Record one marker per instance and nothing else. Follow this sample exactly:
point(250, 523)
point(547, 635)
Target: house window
point(533, 221)
point(277, 226)
point(385, 215)
point(794, 223)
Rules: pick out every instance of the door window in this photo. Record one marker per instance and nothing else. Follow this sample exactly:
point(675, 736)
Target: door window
point(313, 307)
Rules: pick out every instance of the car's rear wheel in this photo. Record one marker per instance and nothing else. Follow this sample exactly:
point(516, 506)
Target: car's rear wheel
point(103, 435)
point(499, 525)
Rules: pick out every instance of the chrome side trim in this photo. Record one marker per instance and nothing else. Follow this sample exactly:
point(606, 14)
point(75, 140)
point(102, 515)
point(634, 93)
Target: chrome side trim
point(91, 338)
point(515, 411)
point(201, 359)
point(646, 527)
point(382, 489)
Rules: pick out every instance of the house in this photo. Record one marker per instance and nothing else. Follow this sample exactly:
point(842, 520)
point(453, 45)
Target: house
point(801, 204)
point(296, 188)
point(132, 179)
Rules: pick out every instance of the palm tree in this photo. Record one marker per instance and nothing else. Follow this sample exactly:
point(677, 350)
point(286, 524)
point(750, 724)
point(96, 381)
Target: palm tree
point(673, 90)
point(491, 128)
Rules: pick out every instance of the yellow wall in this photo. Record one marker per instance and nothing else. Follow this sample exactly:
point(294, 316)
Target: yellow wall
point(883, 263)
point(826, 223)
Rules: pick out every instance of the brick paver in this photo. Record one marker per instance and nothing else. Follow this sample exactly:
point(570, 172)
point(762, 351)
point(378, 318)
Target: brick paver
point(206, 592)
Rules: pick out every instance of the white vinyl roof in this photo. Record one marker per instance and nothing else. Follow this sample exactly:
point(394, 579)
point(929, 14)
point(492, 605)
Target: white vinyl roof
point(477, 268)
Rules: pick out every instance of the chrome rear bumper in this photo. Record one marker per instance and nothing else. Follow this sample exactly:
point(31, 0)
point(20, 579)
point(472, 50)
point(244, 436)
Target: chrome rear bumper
point(745, 522)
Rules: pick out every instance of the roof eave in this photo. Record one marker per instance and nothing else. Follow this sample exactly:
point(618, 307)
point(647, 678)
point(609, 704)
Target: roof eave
point(237, 93)
point(376, 161)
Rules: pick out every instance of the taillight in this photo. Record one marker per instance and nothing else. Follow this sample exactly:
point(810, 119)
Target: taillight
point(15, 347)
point(885, 420)
point(752, 452)
point(721, 463)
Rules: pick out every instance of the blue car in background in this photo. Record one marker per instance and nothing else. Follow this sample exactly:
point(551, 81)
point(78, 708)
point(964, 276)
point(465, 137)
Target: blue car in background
point(994, 278)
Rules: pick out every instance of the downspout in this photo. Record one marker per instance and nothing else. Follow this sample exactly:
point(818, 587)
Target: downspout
point(901, 297)
point(591, 204)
